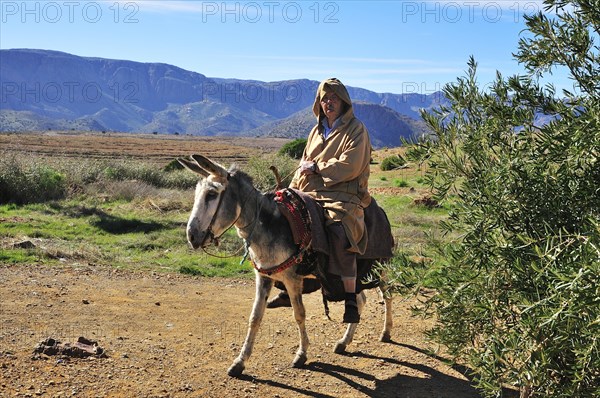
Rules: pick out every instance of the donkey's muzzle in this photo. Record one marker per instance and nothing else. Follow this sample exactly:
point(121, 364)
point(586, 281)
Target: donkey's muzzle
point(197, 239)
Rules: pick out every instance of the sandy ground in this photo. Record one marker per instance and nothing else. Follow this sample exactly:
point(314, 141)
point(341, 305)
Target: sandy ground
point(170, 335)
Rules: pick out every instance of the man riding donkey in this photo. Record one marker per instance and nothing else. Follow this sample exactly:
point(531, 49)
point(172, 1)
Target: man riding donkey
point(334, 170)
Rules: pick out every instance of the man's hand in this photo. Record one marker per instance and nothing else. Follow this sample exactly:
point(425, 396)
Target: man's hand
point(308, 167)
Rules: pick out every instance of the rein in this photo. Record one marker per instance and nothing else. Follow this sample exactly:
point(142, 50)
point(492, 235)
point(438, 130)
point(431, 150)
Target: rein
point(294, 259)
point(213, 238)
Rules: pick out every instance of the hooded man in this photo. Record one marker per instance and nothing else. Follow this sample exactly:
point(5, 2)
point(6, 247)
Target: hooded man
point(335, 171)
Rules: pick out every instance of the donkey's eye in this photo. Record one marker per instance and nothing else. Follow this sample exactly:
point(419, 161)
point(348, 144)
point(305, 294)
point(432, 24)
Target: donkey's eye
point(211, 195)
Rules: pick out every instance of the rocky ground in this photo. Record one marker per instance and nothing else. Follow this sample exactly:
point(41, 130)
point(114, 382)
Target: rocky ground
point(170, 335)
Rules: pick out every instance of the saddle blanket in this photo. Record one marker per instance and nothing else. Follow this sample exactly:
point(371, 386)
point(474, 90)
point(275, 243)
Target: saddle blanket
point(376, 221)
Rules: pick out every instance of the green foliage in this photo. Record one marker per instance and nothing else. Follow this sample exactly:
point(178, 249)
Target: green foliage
point(400, 183)
point(294, 149)
point(37, 179)
point(392, 163)
point(518, 289)
point(112, 233)
point(173, 165)
point(149, 174)
point(28, 182)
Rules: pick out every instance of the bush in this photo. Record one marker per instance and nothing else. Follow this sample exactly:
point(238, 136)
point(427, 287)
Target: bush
point(22, 182)
point(518, 291)
point(37, 179)
point(294, 149)
point(392, 163)
point(173, 165)
point(400, 183)
point(150, 174)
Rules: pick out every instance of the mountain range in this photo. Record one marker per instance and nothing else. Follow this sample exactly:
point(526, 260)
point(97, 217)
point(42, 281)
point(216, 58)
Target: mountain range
point(42, 89)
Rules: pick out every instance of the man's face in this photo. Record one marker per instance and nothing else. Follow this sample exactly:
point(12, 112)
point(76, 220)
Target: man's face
point(331, 105)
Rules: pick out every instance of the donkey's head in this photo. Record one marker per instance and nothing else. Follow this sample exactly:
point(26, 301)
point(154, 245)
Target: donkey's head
point(216, 208)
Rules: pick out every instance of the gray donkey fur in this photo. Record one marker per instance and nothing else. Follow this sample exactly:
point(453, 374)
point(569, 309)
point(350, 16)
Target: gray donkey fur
point(225, 199)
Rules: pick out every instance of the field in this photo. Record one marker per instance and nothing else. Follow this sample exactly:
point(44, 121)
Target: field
point(171, 320)
point(153, 148)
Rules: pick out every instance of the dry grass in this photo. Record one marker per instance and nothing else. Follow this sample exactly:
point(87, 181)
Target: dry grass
point(150, 148)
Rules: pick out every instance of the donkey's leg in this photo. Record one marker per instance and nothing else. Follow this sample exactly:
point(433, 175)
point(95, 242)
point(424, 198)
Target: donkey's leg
point(341, 345)
point(263, 288)
point(388, 323)
point(294, 289)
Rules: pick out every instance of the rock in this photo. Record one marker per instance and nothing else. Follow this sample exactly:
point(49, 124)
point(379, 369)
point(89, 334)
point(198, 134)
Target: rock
point(26, 244)
point(82, 348)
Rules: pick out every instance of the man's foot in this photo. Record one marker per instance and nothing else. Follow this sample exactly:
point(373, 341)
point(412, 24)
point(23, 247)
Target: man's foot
point(281, 300)
point(351, 314)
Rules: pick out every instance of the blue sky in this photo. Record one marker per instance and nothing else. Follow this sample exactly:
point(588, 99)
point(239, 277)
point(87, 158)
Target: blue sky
point(384, 46)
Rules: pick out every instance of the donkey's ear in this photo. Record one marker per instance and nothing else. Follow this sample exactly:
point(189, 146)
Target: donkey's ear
point(193, 166)
point(210, 166)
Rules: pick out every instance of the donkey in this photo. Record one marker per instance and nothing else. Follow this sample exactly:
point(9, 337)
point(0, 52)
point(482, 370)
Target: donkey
point(225, 199)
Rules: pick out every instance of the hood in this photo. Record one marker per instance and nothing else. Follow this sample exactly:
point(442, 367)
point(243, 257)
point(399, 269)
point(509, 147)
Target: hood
point(340, 90)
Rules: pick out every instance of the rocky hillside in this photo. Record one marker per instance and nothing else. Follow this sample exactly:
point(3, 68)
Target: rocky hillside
point(386, 126)
point(52, 90)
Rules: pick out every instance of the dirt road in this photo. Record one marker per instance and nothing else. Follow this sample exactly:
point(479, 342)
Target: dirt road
point(170, 335)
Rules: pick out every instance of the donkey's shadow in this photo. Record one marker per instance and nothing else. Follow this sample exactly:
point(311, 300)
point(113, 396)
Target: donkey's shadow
point(436, 384)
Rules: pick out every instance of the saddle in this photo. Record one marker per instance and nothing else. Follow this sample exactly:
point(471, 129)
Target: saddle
point(307, 222)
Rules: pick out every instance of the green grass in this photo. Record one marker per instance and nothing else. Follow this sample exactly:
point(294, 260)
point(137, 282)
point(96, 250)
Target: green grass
point(119, 234)
point(145, 229)
point(400, 183)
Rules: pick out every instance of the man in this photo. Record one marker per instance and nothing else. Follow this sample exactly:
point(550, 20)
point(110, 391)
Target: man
point(335, 171)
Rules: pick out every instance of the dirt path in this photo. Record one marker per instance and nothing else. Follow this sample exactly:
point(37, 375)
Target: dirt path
point(175, 336)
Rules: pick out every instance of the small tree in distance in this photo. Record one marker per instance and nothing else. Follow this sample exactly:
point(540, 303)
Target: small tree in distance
point(294, 149)
point(518, 293)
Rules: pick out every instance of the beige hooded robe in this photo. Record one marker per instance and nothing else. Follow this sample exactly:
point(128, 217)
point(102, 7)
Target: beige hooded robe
point(341, 182)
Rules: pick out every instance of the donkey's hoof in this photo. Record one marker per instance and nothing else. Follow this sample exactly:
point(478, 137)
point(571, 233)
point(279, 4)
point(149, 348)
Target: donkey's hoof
point(386, 337)
point(340, 348)
point(236, 369)
point(299, 361)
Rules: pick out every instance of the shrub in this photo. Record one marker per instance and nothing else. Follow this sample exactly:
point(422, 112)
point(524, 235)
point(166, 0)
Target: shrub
point(294, 149)
point(173, 165)
point(400, 183)
point(517, 291)
point(37, 179)
point(150, 174)
point(22, 182)
point(392, 163)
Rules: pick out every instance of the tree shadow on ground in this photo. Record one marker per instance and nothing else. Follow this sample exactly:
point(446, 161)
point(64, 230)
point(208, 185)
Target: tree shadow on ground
point(434, 384)
point(119, 225)
point(464, 370)
point(111, 223)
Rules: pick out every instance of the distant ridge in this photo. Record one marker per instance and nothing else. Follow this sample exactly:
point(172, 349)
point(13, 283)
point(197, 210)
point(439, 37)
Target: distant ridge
point(380, 120)
point(43, 89)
